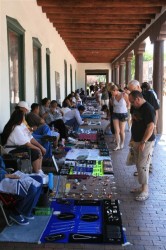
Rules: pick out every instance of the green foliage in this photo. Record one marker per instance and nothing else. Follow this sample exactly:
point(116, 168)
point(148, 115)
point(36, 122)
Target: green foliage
point(147, 56)
point(101, 78)
point(133, 68)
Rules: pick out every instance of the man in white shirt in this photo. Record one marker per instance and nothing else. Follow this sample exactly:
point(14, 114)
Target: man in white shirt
point(73, 118)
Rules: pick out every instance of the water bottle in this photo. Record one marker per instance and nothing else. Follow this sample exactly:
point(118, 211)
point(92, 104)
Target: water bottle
point(52, 127)
point(51, 181)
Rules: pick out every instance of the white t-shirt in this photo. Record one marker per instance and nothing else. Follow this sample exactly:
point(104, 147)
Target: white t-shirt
point(74, 113)
point(65, 110)
point(18, 137)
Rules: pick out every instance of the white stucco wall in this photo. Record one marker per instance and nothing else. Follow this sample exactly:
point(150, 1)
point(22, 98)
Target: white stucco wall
point(36, 24)
point(80, 81)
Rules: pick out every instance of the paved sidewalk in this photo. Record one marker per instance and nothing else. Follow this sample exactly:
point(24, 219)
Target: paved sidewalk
point(145, 222)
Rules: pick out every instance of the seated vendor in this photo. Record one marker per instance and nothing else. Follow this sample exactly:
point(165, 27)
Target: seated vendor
point(21, 212)
point(15, 133)
point(40, 133)
point(73, 117)
point(41, 130)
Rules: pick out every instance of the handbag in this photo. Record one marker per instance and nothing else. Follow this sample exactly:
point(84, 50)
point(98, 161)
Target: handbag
point(130, 157)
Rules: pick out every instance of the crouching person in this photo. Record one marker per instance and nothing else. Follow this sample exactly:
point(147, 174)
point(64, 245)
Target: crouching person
point(27, 187)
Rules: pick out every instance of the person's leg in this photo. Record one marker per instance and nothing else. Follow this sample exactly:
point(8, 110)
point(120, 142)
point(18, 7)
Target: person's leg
point(107, 102)
point(60, 125)
point(117, 131)
point(122, 126)
point(143, 161)
point(54, 133)
point(26, 206)
point(151, 153)
point(36, 159)
point(73, 123)
point(36, 165)
point(136, 154)
point(38, 135)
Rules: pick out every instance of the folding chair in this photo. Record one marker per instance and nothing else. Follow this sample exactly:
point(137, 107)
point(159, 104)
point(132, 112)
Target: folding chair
point(8, 201)
point(18, 161)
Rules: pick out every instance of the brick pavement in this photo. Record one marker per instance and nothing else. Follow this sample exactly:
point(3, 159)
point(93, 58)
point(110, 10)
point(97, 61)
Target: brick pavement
point(145, 222)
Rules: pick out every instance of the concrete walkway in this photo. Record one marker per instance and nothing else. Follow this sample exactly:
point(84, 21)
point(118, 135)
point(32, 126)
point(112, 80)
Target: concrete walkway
point(145, 222)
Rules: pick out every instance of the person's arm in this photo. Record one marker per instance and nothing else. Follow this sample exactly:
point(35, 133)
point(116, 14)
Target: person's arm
point(62, 113)
point(155, 123)
point(148, 132)
point(127, 101)
point(36, 145)
point(78, 118)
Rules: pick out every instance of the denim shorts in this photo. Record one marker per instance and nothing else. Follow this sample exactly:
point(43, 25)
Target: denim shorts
point(120, 116)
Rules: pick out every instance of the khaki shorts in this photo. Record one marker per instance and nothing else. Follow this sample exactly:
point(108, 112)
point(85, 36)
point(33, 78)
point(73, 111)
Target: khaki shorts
point(143, 159)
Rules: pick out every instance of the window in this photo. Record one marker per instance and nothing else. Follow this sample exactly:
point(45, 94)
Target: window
point(75, 80)
point(37, 70)
point(57, 87)
point(65, 76)
point(16, 61)
point(71, 78)
point(48, 73)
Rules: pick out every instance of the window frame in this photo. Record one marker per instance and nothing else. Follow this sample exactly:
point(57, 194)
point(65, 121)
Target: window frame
point(14, 26)
point(38, 45)
point(65, 78)
point(48, 73)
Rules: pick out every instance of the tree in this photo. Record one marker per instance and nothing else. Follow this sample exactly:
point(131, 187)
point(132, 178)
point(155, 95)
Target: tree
point(147, 56)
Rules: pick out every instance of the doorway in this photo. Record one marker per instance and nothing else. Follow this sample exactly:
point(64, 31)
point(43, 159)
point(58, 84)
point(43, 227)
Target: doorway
point(97, 75)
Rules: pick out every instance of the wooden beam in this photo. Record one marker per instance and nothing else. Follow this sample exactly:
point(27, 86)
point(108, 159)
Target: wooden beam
point(98, 21)
point(119, 35)
point(96, 3)
point(102, 10)
point(110, 16)
point(101, 32)
point(111, 46)
point(143, 36)
point(101, 40)
point(98, 26)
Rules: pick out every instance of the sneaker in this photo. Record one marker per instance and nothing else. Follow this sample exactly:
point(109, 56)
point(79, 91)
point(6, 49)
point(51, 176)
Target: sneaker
point(19, 219)
point(29, 217)
point(121, 146)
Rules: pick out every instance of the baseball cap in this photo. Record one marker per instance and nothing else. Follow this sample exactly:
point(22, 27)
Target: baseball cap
point(23, 104)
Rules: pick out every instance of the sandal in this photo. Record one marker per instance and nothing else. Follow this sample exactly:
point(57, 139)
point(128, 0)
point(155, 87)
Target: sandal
point(135, 173)
point(142, 196)
point(136, 190)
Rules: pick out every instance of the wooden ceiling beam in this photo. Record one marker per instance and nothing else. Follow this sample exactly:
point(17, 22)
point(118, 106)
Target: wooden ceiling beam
point(100, 40)
point(110, 16)
point(111, 46)
point(98, 50)
point(150, 30)
point(98, 35)
point(102, 21)
point(96, 3)
point(98, 26)
point(101, 32)
point(102, 10)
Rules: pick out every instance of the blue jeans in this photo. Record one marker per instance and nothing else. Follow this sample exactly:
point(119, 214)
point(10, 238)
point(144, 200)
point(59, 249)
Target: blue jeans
point(27, 203)
point(38, 135)
point(73, 123)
